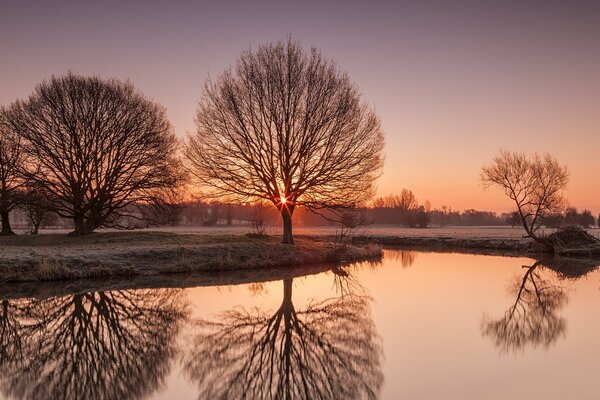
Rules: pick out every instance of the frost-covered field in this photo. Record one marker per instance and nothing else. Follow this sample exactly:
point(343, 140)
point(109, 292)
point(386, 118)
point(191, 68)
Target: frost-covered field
point(459, 232)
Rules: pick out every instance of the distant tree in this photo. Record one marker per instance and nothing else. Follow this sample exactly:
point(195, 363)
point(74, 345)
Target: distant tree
point(571, 216)
point(535, 184)
point(421, 217)
point(12, 160)
point(288, 127)
point(98, 146)
point(586, 219)
point(407, 200)
point(513, 219)
point(166, 206)
point(37, 204)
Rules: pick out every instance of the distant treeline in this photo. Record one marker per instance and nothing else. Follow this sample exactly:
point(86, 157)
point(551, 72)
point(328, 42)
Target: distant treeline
point(402, 210)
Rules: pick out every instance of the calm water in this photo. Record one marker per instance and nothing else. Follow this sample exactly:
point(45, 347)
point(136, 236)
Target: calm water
point(416, 326)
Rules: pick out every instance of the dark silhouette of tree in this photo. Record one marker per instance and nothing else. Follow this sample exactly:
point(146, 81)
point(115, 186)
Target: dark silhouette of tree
point(96, 145)
point(11, 334)
point(535, 184)
point(586, 219)
point(37, 204)
point(97, 345)
point(533, 320)
point(571, 217)
point(288, 127)
point(330, 350)
point(12, 160)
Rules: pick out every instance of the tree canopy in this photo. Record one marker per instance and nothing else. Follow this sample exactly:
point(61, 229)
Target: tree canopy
point(289, 127)
point(97, 146)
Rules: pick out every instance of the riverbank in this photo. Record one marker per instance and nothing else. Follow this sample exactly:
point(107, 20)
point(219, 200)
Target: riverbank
point(499, 246)
point(113, 254)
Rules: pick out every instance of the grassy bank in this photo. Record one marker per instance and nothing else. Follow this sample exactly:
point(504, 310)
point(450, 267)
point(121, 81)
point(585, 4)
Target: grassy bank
point(101, 255)
point(514, 246)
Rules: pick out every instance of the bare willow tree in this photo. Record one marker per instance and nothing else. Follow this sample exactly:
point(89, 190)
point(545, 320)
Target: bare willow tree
point(289, 127)
point(535, 184)
point(12, 160)
point(98, 146)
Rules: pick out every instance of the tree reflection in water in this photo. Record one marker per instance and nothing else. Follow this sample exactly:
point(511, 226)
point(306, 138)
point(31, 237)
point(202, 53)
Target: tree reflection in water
point(406, 258)
point(533, 320)
point(11, 330)
point(96, 345)
point(328, 350)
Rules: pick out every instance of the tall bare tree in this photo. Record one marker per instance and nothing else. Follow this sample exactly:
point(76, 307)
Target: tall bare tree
point(96, 145)
point(12, 160)
point(330, 350)
point(535, 184)
point(289, 127)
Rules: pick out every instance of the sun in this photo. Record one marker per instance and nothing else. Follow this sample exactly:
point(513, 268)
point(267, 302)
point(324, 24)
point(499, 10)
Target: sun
point(283, 200)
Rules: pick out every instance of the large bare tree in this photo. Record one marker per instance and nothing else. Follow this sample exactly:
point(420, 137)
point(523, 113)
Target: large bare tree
point(535, 184)
point(289, 127)
point(94, 345)
point(12, 160)
point(330, 350)
point(96, 145)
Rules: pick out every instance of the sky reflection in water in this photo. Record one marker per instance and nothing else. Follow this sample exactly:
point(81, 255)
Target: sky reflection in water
point(417, 325)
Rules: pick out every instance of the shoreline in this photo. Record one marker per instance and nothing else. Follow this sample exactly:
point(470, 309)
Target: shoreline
point(56, 257)
point(493, 246)
point(154, 254)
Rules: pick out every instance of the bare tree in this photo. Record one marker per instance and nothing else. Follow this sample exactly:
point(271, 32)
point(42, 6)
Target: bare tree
point(96, 145)
point(166, 207)
point(535, 184)
point(533, 319)
point(95, 345)
point(288, 127)
point(37, 204)
point(12, 159)
point(330, 350)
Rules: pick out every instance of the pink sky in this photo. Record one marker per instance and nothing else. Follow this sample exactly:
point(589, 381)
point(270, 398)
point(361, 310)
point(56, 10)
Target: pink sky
point(452, 83)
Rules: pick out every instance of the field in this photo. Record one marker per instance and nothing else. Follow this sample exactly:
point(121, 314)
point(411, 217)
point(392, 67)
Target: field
point(455, 232)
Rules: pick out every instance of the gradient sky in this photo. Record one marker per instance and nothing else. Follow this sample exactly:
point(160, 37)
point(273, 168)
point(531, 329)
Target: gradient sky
point(453, 83)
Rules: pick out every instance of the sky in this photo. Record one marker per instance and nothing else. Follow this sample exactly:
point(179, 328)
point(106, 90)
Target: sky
point(453, 82)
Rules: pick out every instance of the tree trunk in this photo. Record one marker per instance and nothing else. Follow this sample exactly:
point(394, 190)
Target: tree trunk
point(35, 228)
point(287, 292)
point(286, 216)
point(6, 229)
point(80, 225)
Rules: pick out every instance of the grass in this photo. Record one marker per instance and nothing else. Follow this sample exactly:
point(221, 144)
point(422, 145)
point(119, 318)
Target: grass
point(110, 254)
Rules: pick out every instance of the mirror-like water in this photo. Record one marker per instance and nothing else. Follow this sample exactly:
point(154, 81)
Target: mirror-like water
point(418, 325)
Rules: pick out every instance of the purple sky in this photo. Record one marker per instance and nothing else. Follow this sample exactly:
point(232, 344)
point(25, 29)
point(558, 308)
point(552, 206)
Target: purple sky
point(453, 83)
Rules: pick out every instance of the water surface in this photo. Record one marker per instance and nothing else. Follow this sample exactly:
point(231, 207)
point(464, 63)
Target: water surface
point(417, 325)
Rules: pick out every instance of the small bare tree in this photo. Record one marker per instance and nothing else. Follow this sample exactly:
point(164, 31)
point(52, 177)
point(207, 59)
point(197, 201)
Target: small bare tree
point(535, 184)
point(12, 160)
point(287, 127)
point(96, 145)
point(37, 205)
